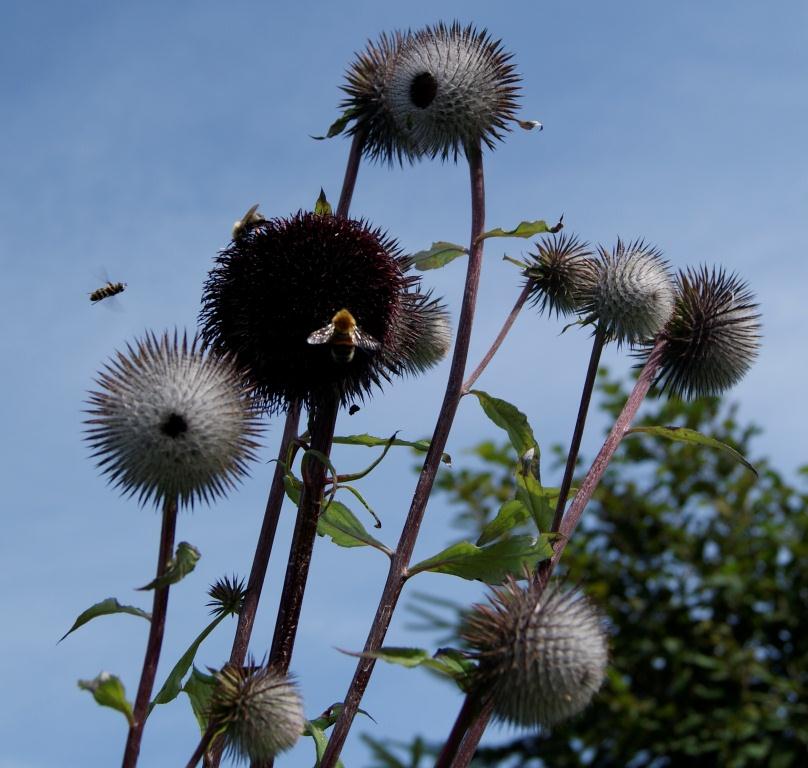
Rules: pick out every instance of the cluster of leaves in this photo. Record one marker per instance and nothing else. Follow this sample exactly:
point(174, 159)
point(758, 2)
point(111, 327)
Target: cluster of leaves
point(703, 572)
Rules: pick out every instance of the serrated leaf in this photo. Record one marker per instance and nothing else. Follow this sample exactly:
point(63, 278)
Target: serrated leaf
point(338, 522)
point(108, 691)
point(685, 435)
point(512, 420)
point(199, 688)
point(173, 684)
point(370, 441)
point(339, 125)
point(322, 207)
point(438, 255)
point(105, 608)
point(184, 561)
point(491, 563)
point(524, 229)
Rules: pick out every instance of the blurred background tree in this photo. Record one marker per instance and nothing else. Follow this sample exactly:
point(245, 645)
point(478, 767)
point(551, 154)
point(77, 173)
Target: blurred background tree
point(702, 570)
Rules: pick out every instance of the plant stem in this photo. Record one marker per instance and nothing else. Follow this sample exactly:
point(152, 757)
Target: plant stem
point(155, 641)
point(577, 435)
point(472, 740)
point(266, 537)
point(454, 389)
point(351, 171)
point(517, 307)
point(202, 747)
point(322, 421)
point(465, 717)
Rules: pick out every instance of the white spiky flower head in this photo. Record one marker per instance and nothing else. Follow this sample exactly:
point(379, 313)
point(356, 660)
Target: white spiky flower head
point(542, 655)
point(629, 292)
point(425, 333)
point(259, 710)
point(170, 422)
point(433, 92)
point(713, 337)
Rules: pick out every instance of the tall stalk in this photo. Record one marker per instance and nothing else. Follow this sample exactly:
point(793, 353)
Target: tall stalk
point(155, 642)
point(397, 574)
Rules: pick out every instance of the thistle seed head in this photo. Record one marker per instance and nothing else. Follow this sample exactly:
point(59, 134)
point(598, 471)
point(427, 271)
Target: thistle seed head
point(169, 422)
point(557, 272)
point(425, 333)
point(433, 92)
point(542, 656)
point(259, 709)
point(713, 337)
point(286, 279)
point(630, 293)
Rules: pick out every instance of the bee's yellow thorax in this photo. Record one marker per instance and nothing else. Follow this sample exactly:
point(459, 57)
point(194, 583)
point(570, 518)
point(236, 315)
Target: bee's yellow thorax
point(344, 322)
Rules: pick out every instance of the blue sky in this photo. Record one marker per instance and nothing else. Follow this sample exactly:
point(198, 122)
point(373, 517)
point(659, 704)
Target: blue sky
point(133, 134)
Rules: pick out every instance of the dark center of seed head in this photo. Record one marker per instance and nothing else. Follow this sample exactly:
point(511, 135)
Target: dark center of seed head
point(423, 89)
point(174, 425)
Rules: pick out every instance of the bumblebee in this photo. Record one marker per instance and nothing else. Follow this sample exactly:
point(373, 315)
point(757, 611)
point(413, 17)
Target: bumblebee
point(249, 219)
point(110, 289)
point(344, 336)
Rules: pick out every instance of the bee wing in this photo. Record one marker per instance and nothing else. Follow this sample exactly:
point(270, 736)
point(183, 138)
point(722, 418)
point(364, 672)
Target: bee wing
point(247, 217)
point(322, 336)
point(365, 340)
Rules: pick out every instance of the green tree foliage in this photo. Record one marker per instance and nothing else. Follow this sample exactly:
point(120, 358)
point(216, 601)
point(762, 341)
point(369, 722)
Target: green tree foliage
point(703, 572)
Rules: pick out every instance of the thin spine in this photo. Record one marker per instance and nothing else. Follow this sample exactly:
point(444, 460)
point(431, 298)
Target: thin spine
point(397, 574)
point(155, 641)
point(506, 327)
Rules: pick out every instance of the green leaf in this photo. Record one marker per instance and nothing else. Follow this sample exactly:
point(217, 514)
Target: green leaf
point(183, 562)
point(332, 713)
point(293, 487)
point(524, 229)
point(447, 661)
point(338, 522)
point(199, 688)
point(173, 684)
point(370, 441)
point(339, 125)
point(491, 563)
point(511, 514)
point(322, 206)
point(530, 492)
point(361, 499)
point(685, 435)
point(105, 608)
point(513, 421)
point(108, 691)
point(438, 255)
point(320, 742)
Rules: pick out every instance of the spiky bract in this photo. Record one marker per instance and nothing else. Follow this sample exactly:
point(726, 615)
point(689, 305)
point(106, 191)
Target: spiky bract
point(284, 279)
point(542, 656)
point(436, 91)
point(170, 422)
point(557, 272)
point(227, 596)
point(712, 338)
point(259, 709)
point(630, 293)
point(424, 333)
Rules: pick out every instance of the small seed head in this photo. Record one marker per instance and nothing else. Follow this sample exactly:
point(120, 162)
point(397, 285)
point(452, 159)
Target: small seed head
point(557, 272)
point(713, 337)
point(630, 293)
point(542, 656)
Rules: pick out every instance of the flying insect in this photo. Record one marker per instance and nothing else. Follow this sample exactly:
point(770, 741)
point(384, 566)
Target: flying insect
point(249, 219)
point(110, 289)
point(344, 336)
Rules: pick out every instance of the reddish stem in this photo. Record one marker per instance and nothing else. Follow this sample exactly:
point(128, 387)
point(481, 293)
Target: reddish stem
point(464, 719)
point(509, 321)
point(351, 171)
point(472, 740)
point(202, 747)
point(154, 644)
point(454, 389)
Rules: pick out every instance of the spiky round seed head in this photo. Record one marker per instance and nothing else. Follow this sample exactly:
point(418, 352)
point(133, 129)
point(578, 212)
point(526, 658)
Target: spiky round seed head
point(436, 91)
point(259, 709)
point(541, 656)
point(170, 422)
point(556, 273)
point(629, 293)
point(425, 333)
point(285, 279)
point(227, 596)
point(712, 338)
